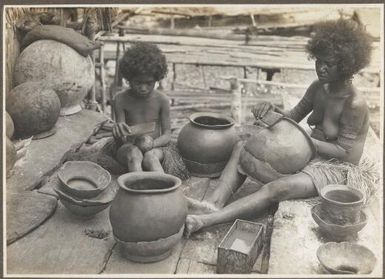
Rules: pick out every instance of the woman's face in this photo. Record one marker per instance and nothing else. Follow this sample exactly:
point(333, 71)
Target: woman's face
point(326, 67)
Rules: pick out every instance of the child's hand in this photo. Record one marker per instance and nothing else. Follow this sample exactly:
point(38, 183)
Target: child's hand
point(144, 143)
point(121, 130)
point(261, 109)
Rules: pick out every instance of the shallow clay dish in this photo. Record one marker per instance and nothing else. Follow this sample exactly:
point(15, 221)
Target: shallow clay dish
point(335, 231)
point(81, 210)
point(83, 179)
point(346, 258)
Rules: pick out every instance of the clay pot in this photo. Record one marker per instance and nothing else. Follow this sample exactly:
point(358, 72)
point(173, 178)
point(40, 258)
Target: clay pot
point(62, 68)
point(276, 151)
point(10, 127)
point(10, 155)
point(33, 108)
point(338, 232)
point(341, 204)
point(346, 258)
point(206, 143)
point(148, 215)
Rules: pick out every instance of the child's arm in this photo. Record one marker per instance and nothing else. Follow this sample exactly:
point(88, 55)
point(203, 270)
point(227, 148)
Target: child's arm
point(120, 128)
point(165, 123)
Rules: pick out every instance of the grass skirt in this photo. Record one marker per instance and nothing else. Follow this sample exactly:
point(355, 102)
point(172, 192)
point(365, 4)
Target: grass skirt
point(365, 176)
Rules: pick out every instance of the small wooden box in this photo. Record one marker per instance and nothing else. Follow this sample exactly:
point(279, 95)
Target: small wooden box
point(240, 247)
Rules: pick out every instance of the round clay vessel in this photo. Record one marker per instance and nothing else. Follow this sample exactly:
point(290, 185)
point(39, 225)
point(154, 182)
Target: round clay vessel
point(147, 207)
point(83, 179)
point(338, 232)
point(62, 68)
point(206, 143)
point(10, 127)
point(279, 150)
point(341, 204)
point(10, 155)
point(33, 107)
point(346, 258)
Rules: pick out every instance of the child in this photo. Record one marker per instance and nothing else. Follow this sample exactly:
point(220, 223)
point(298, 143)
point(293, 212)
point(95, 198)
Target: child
point(142, 66)
point(339, 119)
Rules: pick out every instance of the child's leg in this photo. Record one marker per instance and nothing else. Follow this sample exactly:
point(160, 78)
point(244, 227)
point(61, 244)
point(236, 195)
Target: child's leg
point(130, 155)
point(291, 187)
point(152, 160)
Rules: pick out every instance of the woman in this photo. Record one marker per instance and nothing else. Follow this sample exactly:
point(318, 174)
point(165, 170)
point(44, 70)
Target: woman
point(339, 120)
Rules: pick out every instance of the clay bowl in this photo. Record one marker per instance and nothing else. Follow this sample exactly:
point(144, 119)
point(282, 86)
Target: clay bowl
point(338, 232)
point(81, 210)
point(341, 204)
point(83, 179)
point(86, 208)
point(346, 258)
point(103, 198)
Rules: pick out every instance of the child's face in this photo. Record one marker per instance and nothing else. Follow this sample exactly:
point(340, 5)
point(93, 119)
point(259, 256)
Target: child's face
point(142, 86)
point(326, 67)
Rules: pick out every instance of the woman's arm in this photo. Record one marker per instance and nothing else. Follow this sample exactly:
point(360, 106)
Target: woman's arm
point(165, 123)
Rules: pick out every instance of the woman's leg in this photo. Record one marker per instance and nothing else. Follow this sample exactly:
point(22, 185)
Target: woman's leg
point(229, 181)
point(130, 155)
point(291, 187)
point(152, 159)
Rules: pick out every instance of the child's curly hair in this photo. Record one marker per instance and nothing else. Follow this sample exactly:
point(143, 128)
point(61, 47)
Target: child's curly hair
point(143, 59)
point(346, 40)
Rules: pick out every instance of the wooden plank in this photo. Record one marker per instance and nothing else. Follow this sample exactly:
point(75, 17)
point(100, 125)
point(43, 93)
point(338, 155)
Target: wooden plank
point(44, 155)
point(61, 246)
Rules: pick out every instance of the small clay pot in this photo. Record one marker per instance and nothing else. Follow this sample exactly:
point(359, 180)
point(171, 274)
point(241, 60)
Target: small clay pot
point(341, 204)
point(10, 155)
point(10, 127)
point(338, 232)
point(206, 143)
point(346, 258)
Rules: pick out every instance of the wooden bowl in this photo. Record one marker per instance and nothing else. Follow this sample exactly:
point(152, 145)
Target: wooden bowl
point(83, 179)
point(346, 258)
point(338, 232)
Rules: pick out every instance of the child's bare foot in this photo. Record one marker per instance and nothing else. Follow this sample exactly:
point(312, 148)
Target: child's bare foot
point(193, 224)
point(200, 207)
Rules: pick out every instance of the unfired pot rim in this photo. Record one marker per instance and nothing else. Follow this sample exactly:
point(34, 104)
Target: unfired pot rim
point(134, 176)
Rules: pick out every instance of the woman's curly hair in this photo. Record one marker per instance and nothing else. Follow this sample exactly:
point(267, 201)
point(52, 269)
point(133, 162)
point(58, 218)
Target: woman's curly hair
point(143, 59)
point(346, 40)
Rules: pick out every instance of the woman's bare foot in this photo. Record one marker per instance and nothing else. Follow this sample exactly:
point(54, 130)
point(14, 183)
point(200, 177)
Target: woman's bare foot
point(200, 207)
point(193, 223)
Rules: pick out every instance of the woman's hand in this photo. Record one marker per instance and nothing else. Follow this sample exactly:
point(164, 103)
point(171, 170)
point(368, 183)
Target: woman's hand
point(120, 130)
point(260, 110)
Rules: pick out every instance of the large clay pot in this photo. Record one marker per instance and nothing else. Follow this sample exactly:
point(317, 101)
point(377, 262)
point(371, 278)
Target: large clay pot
point(62, 68)
point(33, 108)
point(10, 155)
point(10, 127)
point(148, 214)
point(282, 149)
point(206, 143)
